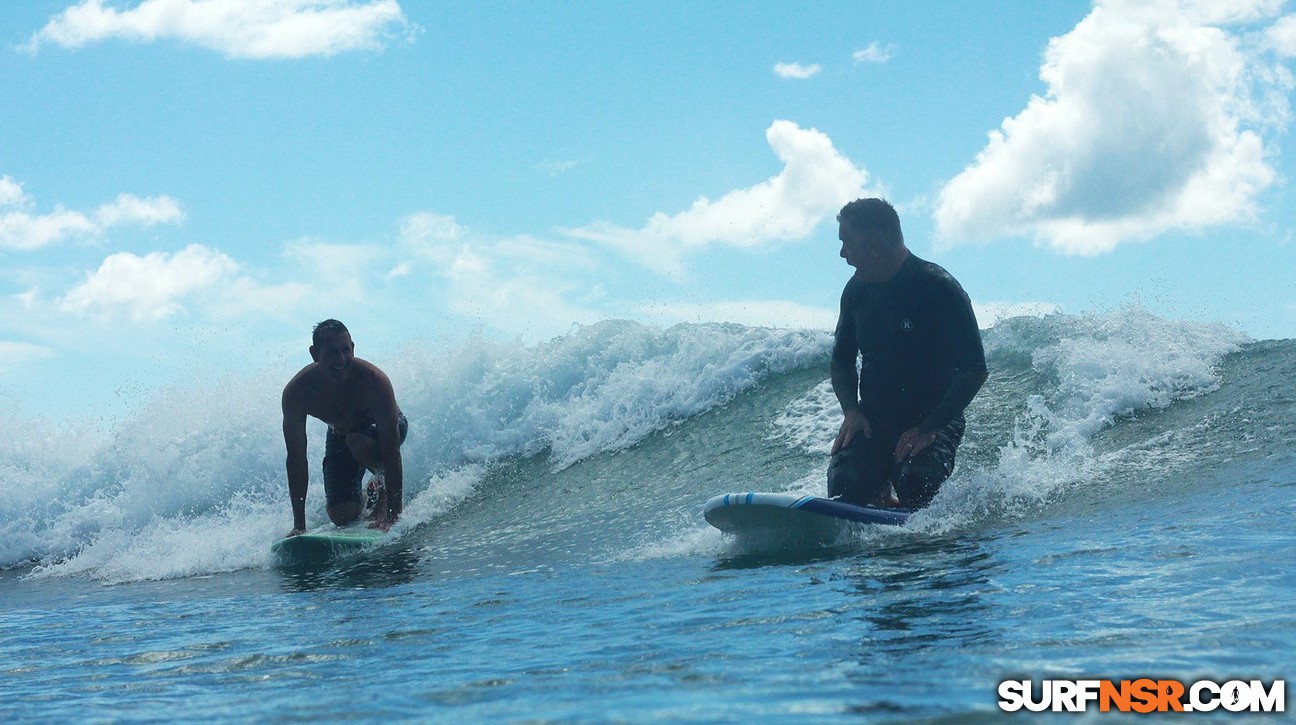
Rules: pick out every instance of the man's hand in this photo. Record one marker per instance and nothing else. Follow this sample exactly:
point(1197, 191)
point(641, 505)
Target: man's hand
point(911, 443)
point(852, 425)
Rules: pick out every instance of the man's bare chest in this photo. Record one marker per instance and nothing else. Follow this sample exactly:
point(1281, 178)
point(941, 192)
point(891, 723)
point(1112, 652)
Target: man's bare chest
point(342, 409)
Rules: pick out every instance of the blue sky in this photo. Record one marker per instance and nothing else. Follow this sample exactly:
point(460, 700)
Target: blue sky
point(186, 186)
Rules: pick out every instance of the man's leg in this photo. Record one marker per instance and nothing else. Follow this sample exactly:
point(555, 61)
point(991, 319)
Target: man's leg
point(363, 443)
point(918, 481)
point(364, 448)
point(342, 476)
point(861, 472)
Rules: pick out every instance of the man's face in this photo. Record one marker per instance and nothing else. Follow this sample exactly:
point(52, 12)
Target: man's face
point(334, 354)
point(858, 250)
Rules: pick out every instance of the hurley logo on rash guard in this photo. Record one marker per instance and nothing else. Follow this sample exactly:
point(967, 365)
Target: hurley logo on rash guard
point(906, 325)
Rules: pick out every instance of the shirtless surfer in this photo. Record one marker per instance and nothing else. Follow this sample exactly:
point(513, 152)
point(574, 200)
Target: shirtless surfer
point(366, 429)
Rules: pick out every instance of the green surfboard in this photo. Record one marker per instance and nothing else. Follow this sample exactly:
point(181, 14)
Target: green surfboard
point(326, 543)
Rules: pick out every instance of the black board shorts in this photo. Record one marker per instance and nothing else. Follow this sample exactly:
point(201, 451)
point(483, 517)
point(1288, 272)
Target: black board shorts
point(860, 472)
point(342, 472)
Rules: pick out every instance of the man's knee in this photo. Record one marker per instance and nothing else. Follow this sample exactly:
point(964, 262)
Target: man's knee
point(344, 513)
point(850, 483)
point(363, 443)
point(364, 449)
point(919, 482)
point(842, 478)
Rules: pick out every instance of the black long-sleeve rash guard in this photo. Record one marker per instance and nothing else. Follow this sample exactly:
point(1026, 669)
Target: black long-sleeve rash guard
point(920, 352)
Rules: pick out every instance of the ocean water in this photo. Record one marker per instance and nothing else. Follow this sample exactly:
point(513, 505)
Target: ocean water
point(1122, 507)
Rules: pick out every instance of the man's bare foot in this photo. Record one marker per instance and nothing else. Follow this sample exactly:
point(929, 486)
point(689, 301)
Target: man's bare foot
point(377, 495)
point(887, 499)
point(375, 491)
point(380, 511)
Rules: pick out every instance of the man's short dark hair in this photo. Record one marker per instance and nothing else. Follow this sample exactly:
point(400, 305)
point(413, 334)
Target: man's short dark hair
point(873, 218)
point(327, 328)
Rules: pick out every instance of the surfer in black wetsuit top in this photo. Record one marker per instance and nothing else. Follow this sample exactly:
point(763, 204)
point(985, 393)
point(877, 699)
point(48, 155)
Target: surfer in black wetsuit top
point(910, 327)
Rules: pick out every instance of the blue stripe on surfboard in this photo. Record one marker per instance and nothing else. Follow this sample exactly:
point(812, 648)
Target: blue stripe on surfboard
point(815, 505)
point(851, 512)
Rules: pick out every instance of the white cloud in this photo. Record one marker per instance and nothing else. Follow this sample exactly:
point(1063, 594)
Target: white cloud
point(129, 209)
point(815, 182)
point(14, 355)
point(796, 70)
point(557, 168)
point(11, 193)
point(24, 231)
point(874, 53)
point(1282, 36)
point(1143, 129)
point(753, 313)
point(243, 296)
point(524, 286)
point(148, 288)
point(159, 284)
point(27, 300)
point(526, 251)
point(534, 303)
point(237, 28)
point(433, 237)
point(519, 285)
point(342, 272)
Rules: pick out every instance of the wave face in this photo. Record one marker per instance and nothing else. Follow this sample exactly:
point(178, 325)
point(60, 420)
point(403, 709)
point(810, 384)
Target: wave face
point(603, 444)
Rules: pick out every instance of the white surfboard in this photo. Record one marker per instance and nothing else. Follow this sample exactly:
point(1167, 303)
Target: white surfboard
point(791, 517)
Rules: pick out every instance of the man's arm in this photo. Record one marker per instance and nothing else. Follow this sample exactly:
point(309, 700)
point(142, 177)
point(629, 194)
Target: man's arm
point(386, 419)
point(966, 359)
point(844, 377)
point(963, 387)
point(294, 431)
point(845, 383)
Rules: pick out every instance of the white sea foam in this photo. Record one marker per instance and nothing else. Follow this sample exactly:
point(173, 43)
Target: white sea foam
point(694, 541)
point(1100, 367)
point(193, 483)
point(810, 422)
point(598, 389)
